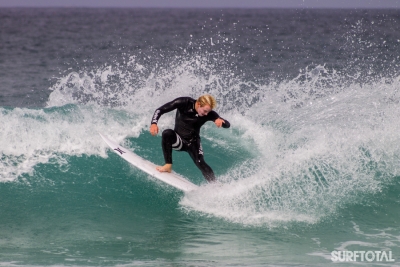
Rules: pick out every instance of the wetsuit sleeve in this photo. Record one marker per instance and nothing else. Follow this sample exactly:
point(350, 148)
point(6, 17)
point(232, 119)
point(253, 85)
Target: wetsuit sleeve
point(170, 106)
point(226, 124)
point(214, 115)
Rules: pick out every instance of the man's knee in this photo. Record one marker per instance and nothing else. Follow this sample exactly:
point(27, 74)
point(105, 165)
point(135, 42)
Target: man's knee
point(169, 134)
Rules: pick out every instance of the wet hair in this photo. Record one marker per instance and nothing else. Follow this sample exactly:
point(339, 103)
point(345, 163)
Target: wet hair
point(207, 100)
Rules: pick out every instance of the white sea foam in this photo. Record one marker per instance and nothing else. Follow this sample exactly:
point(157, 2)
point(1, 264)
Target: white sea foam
point(315, 153)
point(33, 136)
point(313, 141)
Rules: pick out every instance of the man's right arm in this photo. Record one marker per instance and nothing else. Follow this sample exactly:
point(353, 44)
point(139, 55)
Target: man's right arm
point(170, 106)
point(165, 109)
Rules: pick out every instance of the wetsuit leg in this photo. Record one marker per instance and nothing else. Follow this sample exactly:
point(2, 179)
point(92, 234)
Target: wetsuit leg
point(196, 153)
point(169, 138)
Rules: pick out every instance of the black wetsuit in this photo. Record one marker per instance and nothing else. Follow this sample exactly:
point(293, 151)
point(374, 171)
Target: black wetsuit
point(186, 134)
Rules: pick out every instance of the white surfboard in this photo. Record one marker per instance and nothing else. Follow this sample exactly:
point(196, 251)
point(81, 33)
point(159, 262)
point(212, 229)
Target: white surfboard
point(173, 178)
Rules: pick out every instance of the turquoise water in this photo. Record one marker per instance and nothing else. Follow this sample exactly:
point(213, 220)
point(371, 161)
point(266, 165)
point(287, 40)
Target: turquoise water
point(309, 166)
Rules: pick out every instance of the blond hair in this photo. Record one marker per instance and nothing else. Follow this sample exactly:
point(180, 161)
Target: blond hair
point(207, 100)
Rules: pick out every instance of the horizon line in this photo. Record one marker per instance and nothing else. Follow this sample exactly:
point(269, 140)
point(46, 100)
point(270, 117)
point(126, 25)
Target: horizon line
point(198, 7)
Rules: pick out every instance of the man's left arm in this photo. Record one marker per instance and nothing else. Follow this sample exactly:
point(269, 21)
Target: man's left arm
point(219, 122)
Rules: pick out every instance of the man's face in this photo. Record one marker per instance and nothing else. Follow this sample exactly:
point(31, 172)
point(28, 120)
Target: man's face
point(202, 111)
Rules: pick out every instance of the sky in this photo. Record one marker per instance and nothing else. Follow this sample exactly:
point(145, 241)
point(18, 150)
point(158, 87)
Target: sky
point(206, 3)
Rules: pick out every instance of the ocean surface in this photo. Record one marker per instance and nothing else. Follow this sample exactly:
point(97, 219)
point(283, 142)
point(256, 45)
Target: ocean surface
point(309, 168)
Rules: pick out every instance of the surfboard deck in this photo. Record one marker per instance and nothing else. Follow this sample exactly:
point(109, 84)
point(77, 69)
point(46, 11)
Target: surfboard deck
point(148, 167)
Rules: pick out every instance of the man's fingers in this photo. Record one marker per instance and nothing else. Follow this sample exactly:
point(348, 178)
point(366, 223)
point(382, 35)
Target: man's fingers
point(219, 122)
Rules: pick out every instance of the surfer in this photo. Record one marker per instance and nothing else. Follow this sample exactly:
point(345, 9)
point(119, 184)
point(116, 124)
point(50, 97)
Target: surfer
point(191, 114)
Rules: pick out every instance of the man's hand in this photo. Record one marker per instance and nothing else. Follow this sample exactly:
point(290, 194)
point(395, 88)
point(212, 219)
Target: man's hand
point(154, 129)
point(219, 122)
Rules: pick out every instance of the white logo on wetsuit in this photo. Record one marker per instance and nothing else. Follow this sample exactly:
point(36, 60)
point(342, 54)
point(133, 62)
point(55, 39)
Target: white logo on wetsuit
point(155, 120)
point(178, 144)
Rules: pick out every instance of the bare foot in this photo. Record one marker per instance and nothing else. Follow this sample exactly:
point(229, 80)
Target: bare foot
point(165, 168)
